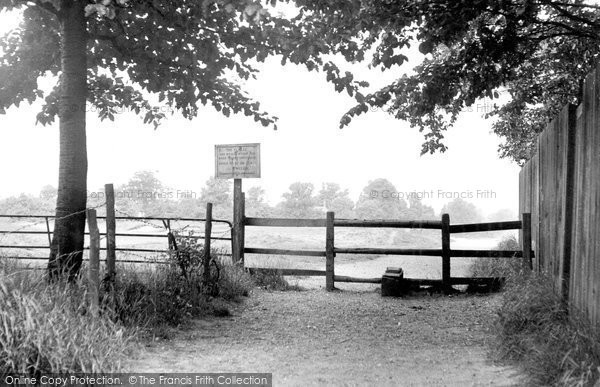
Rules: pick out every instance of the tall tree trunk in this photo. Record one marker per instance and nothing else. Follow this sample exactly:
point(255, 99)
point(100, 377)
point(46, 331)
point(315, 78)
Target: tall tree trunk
point(66, 254)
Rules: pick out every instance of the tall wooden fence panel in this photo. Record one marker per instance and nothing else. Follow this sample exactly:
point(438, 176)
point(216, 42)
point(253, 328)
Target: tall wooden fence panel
point(560, 186)
point(555, 200)
point(585, 259)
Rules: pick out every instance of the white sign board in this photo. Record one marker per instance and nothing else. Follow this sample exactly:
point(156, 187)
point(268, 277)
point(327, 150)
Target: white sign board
point(237, 161)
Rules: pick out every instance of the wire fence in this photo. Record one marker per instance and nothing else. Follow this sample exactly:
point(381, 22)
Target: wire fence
point(139, 239)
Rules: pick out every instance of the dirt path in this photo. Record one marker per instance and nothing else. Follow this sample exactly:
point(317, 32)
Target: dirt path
point(346, 337)
point(351, 337)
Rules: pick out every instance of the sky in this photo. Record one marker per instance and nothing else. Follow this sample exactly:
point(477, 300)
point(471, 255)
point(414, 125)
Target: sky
point(308, 145)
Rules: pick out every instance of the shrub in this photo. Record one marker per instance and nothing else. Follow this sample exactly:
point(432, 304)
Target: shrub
point(536, 330)
point(152, 298)
point(171, 294)
point(47, 328)
point(234, 282)
point(272, 279)
point(499, 267)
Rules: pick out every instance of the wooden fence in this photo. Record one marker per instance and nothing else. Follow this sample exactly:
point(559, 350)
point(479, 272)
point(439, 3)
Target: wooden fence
point(560, 186)
point(330, 251)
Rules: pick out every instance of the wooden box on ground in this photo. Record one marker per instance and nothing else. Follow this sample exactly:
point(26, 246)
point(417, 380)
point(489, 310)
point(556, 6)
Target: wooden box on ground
point(392, 283)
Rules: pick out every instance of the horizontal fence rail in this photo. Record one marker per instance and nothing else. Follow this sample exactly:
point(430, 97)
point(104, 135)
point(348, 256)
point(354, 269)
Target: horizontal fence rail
point(482, 227)
point(142, 218)
point(117, 234)
point(385, 251)
point(486, 253)
point(284, 222)
point(304, 253)
point(425, 224)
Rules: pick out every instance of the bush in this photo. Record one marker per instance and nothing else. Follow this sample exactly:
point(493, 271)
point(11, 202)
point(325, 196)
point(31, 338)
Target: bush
point(272, 279)
point(47, 328)
point(499, 267)
point(234, 282)
point(171, 294)
point(152, 298)
point(536, 330)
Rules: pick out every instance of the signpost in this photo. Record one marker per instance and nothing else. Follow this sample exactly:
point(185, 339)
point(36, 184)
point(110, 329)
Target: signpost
point(237, 162)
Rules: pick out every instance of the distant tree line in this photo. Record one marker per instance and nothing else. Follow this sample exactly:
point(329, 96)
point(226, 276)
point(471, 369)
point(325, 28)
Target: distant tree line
point(145, 195)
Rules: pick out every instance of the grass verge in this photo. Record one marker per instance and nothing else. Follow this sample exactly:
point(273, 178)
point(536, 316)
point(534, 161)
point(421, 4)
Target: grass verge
point(47, 327)
point(535, 330)
point(555, 346)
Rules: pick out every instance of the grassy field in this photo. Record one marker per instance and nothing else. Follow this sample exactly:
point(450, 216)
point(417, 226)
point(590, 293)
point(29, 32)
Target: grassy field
point(314, 239)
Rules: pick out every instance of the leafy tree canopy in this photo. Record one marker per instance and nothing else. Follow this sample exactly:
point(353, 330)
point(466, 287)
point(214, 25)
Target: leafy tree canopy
point(144, 186)
point(182, 53)
point(48, 192)
point(333, 198)
point(418, 210)
point(256, 203)
point(219, 193)
point(536, 51)
point(299, 201)
point(379, 200)
point(25, 204)
point(462, 211)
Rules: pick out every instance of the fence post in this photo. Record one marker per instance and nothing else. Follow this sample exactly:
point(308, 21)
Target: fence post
point(94, 263)
point(329, 253)
point(111, 226)
point(242, 226)
point(207, 232)
point(236, 253)
point(446, 284)
point(49, 234)
point(526, 241)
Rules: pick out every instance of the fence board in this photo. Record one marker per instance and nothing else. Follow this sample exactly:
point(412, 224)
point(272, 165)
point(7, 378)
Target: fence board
point(385, 223)
point(593, 253)
point(295, 272)
point(284, 222)
point(555, 196)
point(487, 253)
point(303, 253)
point(388, 251)
point(491, 226)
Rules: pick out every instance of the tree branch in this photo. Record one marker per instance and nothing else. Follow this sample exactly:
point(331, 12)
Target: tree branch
point(574, 31)
point(562, 4)
point(48, 7)
point(570, 15)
